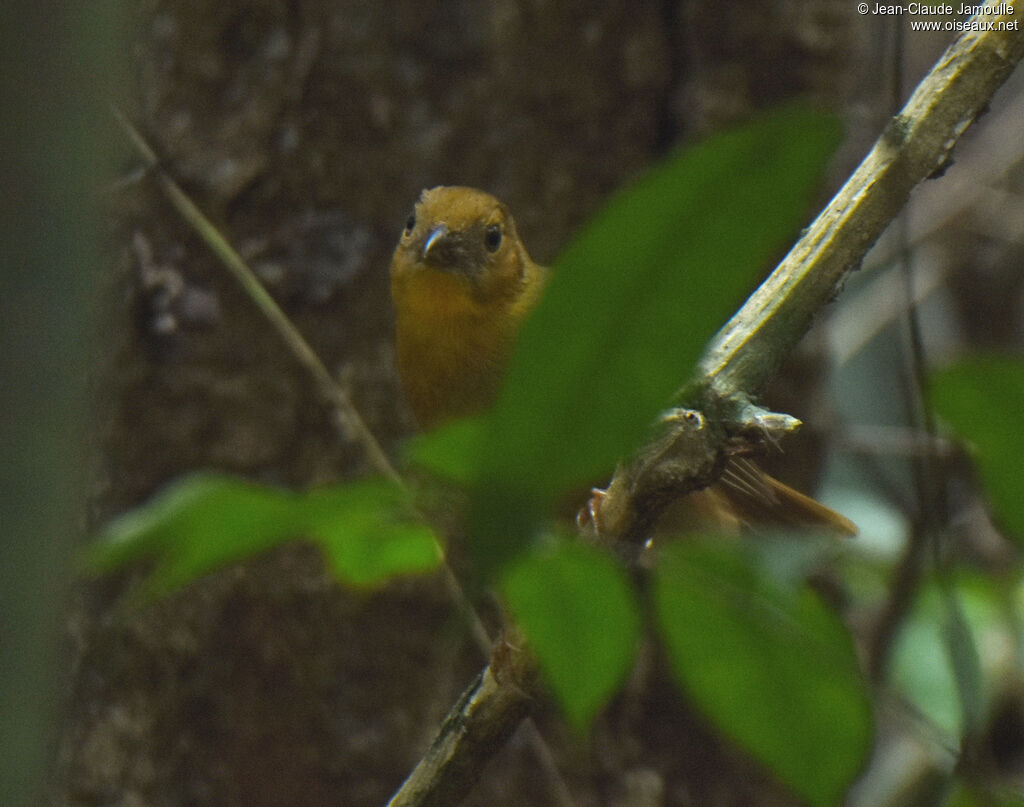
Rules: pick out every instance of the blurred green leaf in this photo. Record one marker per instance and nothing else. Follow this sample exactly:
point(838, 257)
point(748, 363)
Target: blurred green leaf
point(578, 611)
point(983, 398)
point(369, 532)
point(204, 521)
point(921, 668)
point(197, 523)
point(933, 639)
point(769, 664)
point(967, 796)
point(450, 451)
point(630, 305)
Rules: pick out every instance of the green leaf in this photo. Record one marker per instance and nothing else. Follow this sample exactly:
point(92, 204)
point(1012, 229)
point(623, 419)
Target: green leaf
point(369, 533)
point(450, 451)
point(769, 664)
point(998, 795)
point(204, 521)
point(982, 398)
point(579, 613)
point(630, 305)
point(196, 524)
point(945, 628)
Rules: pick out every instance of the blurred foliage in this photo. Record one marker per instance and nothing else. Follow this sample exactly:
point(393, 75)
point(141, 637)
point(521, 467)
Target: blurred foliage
point(923, 664)
point(964, 796)
point(450, 452)
point(60, 68)
point(578, 610)
point(630, 305)
point(632, 302)
point(367, 530)
point(981, 397)
point(768, 662)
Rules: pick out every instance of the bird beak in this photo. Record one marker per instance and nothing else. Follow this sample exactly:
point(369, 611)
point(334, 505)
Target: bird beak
point(433, 237)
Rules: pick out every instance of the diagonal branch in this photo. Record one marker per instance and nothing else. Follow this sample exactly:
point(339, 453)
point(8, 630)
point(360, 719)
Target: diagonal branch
point(348, 417)
point(476, 728)
point(915, 145)
point(499, 704)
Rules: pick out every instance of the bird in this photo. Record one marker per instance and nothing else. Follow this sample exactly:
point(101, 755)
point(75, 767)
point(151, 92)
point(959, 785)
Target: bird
point(462, 283)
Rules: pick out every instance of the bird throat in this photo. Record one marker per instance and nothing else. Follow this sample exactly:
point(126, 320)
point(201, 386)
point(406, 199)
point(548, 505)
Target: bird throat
point(451, 346)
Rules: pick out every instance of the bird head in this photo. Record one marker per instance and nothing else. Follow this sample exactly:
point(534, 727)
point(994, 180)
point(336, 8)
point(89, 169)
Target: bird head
point(466, 235)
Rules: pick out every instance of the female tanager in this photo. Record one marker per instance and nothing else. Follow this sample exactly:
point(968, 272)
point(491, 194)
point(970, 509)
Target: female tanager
point(462, 284)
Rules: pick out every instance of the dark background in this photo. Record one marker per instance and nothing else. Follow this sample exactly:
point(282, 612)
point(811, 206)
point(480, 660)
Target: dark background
point(306, 130)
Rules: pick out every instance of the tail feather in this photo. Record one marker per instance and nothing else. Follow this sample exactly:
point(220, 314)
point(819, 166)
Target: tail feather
point(760, 499)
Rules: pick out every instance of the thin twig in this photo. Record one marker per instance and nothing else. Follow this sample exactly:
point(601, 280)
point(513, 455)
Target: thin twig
point(916, 143)
point(476, 728)
point(349, 416)
point(501, 701)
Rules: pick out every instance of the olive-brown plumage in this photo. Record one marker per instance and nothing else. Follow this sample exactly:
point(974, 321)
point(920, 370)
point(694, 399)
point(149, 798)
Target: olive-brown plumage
point(462, 284)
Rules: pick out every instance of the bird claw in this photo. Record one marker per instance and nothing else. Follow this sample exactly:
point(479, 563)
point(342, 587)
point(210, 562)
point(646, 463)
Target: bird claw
point(588, 519)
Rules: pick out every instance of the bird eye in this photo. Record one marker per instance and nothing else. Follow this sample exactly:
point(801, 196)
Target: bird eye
point(410, 223)
point(492, 238)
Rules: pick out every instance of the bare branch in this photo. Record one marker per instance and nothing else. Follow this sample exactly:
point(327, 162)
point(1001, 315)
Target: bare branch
point(475, 729)
point(916, 144)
